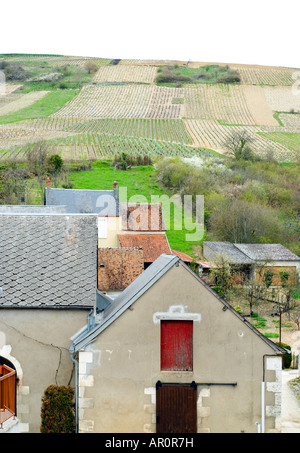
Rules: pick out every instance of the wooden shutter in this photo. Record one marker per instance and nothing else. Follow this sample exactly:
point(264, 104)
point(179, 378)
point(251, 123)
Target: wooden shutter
point(176, 408)
point(176, 345)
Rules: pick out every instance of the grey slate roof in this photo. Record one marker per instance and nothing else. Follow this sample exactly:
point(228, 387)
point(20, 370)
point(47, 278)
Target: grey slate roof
point(127, 297)
point(274, 252)
point(102, 202)
point(31, 209)
point(48, 260)
point(249, 253)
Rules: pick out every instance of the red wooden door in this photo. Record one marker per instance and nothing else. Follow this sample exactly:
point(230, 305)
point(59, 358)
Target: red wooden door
point(176, 345)
point(176, 409)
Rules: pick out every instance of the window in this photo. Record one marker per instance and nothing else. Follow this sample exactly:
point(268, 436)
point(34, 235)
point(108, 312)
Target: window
point(102, 227)
point(176, 345)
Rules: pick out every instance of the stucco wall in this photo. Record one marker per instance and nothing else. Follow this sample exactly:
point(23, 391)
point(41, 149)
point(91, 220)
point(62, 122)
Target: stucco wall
point(108, 233)
point(119, 370)
point(37, 342)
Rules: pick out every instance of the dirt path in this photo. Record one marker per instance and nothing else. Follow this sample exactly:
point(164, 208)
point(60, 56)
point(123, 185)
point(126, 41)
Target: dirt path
point(257, 104)
point(290, 408)
point(24, 101)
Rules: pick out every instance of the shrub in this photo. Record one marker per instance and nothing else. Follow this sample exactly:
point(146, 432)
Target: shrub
point(57, 413)
point(15, 72)
point(268, 277)
point(55, 163)
point(287, 357)
point(284, 276)
point(229, 77)
point(63, 86)
point(169, 77)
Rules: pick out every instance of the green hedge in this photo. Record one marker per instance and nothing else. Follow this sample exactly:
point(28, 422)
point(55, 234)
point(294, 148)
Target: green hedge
point(287, 358)
point(57, 413)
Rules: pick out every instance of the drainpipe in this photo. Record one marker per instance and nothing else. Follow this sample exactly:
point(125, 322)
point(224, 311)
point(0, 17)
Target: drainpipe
point(76, 390)
point(262, 407)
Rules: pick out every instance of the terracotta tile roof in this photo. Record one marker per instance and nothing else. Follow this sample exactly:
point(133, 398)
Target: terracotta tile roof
point(153, 245)
point(188, 259)
point(142, 217)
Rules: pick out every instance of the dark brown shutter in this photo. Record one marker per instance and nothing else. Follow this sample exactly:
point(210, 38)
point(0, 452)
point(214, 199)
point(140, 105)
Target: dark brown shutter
point(176, 408)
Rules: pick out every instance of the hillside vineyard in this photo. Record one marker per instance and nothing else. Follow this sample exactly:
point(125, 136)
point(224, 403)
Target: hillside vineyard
point(107, 107)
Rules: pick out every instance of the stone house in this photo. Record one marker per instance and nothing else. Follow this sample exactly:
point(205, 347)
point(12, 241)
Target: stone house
point(166, 341)
point(170, 356)
point(122, 229)
point(48, 287)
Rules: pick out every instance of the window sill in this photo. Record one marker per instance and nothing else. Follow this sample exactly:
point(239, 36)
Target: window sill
point(11, 426)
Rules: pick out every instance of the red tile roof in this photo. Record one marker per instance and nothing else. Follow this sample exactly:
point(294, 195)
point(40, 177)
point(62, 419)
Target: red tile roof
point(183, 256)
point(153, 245)
point(188, 259)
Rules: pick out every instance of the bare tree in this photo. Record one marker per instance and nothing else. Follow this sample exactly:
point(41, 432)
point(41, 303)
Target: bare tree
point(221, 276)
point(238, 142)
point(90, 67)
point(13, 183)
point(38, 163)
point(238, 221)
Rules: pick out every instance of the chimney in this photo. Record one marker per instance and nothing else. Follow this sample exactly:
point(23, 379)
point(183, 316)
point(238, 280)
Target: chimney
point(48, 182)
point(115, 185)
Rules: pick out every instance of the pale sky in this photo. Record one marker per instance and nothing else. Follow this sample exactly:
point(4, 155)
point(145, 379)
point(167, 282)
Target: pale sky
point(263, 32)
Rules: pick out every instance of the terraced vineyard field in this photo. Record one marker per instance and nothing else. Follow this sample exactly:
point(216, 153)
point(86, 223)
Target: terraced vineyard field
point(121, 109)
point(123, 101)
point(267, 76)
point(217, 102)
point(93, 146)
point(290, 120)
point(211, 134)
point(290, 140)
point(159, 129)
point(282, 99)
point(125, 73)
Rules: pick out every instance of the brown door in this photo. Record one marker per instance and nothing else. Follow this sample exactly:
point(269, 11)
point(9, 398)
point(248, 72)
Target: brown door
point(176, 408)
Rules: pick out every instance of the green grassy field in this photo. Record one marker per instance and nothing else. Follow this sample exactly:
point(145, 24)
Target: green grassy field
point(138, 184)
point(289, 139)
point(43, 108)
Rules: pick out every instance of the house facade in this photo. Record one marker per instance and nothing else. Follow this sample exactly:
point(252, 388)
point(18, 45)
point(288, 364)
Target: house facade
point(48, 276)
point(169, 356)
point(164, 355)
